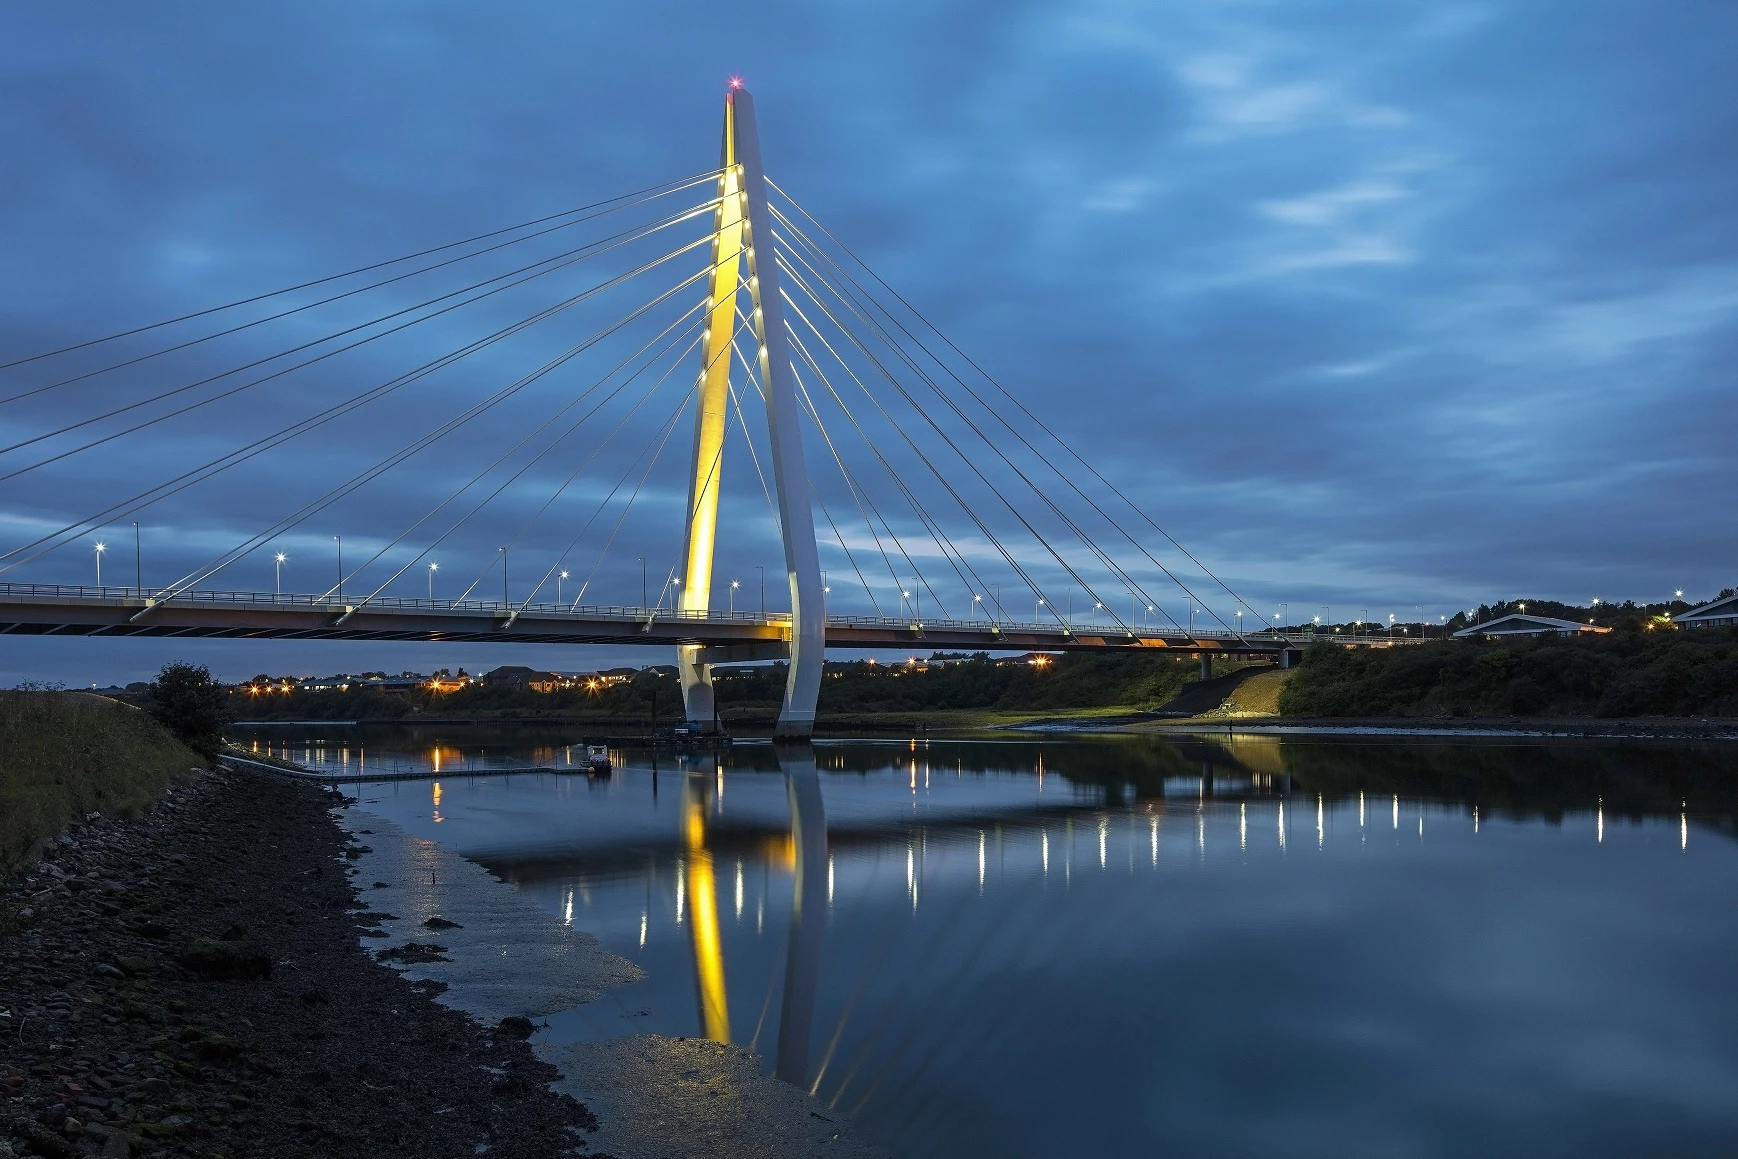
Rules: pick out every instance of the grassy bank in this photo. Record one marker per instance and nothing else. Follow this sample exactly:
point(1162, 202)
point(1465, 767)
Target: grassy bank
point(65, 754)
point(1625, 674)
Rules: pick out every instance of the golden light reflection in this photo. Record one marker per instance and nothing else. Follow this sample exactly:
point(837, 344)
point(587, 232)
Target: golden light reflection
point(437, 803)
point(708, 943)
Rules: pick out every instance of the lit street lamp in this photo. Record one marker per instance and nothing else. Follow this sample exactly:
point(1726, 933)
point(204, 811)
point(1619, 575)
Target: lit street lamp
point(101, 547)
point(734, 584)
point(278, 562)
point(432, 568)
point(559, 577)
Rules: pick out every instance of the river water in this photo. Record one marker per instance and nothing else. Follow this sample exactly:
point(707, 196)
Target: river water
point(1242, 945)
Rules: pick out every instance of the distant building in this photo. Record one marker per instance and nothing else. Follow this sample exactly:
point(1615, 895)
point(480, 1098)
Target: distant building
point(1521, 624)
point(1720, 613)
point(519, 676)
point(1029, 660)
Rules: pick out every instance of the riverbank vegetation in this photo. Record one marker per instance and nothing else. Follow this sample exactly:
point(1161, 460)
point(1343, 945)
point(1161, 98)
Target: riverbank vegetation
point(942, 688)
point(1624, 674)
point(66, 754)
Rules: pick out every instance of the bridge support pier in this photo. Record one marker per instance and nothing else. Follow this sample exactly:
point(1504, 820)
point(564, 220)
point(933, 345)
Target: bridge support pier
point(1206, 667)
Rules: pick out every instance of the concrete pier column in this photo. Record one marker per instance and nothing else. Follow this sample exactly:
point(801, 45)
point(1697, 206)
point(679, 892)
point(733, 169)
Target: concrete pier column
point(1206, 668)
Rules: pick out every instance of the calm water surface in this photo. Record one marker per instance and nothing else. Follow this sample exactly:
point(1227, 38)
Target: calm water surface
point(1110, 947)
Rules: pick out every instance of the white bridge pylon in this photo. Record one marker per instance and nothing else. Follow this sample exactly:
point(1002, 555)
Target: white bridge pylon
point(742, 219)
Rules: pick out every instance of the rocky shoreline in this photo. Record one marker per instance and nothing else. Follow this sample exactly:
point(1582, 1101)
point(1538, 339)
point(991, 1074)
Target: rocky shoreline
point(191, 983)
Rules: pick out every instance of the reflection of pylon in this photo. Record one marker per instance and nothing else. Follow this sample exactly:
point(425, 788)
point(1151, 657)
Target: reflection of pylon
point(703, 911)
point(742, 222)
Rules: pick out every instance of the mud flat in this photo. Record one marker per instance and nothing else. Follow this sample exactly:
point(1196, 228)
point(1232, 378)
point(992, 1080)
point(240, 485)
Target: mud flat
point(221, 977)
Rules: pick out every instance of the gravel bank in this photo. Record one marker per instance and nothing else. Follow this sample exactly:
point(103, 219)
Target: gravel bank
point(190, 983)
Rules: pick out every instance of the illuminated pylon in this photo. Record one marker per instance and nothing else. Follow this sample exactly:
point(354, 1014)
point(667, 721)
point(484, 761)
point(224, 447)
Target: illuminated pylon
point(742, 220)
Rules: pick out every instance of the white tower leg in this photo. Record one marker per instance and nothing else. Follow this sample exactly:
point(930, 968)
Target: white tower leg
point(796, 718)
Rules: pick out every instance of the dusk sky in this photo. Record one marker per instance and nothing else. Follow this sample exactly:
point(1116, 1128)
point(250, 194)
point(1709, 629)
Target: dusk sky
point(1374, 304)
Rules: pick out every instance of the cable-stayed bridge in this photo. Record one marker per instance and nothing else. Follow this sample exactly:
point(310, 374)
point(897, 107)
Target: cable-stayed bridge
point(916, 502)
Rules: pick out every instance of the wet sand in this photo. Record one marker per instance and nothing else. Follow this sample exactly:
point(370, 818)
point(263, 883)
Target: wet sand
point(257, 967)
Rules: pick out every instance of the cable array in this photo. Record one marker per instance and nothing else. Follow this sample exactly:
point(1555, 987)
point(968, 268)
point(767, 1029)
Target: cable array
point(939, 493)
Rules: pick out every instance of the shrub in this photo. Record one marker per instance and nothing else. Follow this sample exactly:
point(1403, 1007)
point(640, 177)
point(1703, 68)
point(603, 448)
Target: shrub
point(187, 702)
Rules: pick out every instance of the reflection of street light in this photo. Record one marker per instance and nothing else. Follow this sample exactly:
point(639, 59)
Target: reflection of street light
point(101, 547)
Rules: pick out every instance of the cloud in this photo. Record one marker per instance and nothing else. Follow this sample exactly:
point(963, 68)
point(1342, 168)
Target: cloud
point(1321, 284)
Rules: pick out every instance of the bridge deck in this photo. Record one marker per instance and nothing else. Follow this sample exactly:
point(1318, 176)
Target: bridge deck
point(62, 609)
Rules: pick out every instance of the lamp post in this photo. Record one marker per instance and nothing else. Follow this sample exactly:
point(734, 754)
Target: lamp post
point(642, 560)
point(979, 601)
point(558, 578)
point(432, 568)
point(761, 568)
point(734, 584)
point(504, 600)
point(139, 563)
point(339, 540)
point(1036, 609)
point(101, 547)
point(278, 580)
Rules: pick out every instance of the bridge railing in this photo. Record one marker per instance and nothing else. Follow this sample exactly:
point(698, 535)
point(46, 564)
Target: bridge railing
point(130, 596)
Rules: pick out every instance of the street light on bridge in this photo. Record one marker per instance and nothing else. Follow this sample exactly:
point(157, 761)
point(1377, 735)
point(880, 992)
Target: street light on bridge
point(559, 577)
point(278, 580)
point(101, 547)
point(432, 568)
point(734, 584)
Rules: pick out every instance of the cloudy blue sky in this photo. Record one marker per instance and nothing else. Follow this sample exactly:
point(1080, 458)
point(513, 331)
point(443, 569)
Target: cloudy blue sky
point(1373, 304)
